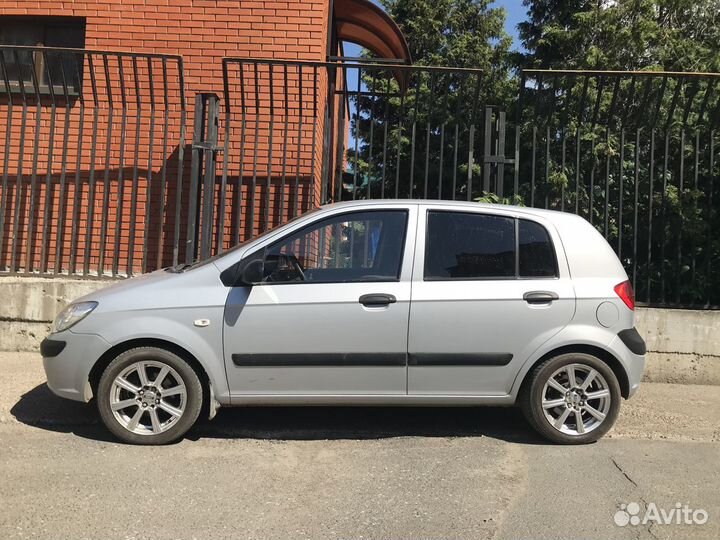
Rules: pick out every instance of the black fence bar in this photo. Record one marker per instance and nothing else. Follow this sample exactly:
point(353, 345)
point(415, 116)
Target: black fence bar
point(30, 240)
point(180, 154)
point(50, 154)
point(65, 146)
point(73, 160)
point(91, 177)
point(6, 159)
point(148, 192)
point(135, 185)
point(199, 145)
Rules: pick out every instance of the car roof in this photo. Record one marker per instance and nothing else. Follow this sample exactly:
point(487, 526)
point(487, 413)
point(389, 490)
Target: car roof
point(553, 215)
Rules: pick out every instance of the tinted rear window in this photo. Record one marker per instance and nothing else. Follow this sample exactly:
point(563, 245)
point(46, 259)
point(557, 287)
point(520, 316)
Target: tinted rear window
point(467, 246)
point(537, 255)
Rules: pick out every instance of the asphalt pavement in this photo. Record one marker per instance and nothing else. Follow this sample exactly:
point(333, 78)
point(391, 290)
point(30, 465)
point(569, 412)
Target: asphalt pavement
point(376, 473)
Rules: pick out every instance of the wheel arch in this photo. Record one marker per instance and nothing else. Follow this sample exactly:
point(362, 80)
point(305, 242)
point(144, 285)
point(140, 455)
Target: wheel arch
point(99, 366)
point(610, 359)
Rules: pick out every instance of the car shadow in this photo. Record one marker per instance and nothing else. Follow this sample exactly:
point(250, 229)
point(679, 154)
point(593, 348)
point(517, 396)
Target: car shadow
point(41, 409)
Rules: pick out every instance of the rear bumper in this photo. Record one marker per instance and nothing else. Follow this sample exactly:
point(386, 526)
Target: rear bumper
point(67, 359)
point(632, 340)
point(626, 346)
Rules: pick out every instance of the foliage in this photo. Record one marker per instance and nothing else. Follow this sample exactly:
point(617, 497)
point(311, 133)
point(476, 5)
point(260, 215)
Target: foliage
point(649, 131)
point(671, 35)
point(493, 198)
point(414, 140)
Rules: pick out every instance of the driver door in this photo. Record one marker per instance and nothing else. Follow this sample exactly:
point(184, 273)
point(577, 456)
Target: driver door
point(331, 314)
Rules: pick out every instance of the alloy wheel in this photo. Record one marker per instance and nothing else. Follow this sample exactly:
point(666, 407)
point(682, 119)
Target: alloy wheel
point(148, 397)
point(576, 399)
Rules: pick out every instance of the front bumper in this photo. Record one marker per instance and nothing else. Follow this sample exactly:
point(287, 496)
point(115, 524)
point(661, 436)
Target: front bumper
point(50, 348)
point(67, 367)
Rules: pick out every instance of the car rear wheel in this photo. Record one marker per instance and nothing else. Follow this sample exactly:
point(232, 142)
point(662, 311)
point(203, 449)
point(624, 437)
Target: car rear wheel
point(572, 398)
point(148, 395)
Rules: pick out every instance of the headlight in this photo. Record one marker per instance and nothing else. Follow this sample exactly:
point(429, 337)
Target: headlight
point(71, 315)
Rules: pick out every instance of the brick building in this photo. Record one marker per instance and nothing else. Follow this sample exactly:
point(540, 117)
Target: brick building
point(97, 162)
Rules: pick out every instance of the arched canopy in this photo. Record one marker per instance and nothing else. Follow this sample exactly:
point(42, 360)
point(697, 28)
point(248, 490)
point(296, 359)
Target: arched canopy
point(364, 23)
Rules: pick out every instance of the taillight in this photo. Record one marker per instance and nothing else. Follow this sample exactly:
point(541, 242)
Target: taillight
point(625, 291)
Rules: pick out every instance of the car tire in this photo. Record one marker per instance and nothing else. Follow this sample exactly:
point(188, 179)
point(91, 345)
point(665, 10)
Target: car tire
point(575, 415)
point(138, 409)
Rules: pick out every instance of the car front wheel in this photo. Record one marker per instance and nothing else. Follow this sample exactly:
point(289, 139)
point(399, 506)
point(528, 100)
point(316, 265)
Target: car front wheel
point(149, 396)
point(571, 398)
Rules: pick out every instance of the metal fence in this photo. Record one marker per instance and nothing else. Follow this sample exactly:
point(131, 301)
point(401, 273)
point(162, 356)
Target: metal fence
point(256, 151)
point(408, 131)
point(635, 154)
point(94, 151)
point(297, 134)
point(92, 161)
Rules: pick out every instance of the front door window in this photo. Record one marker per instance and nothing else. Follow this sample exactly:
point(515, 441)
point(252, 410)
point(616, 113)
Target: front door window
point(355, 247)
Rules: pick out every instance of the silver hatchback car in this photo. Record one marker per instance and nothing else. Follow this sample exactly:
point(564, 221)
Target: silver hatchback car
point(366, 303)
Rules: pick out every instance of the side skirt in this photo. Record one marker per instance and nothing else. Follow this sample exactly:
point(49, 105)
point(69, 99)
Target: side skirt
point(402, 400)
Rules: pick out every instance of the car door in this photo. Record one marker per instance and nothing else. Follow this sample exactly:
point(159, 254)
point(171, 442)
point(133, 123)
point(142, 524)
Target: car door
point(330, 316)
point(489, 288)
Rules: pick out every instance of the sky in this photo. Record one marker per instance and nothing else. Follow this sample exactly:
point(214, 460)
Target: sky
point(516, 13)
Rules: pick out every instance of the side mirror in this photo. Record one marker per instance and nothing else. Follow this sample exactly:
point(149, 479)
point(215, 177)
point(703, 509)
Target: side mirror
point(246, 272)
point(252, 273)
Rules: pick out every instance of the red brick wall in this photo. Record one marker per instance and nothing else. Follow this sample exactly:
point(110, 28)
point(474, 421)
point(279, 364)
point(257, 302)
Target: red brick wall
point(202, 32)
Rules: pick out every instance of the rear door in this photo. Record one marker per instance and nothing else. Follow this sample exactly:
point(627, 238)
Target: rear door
point(489, 287)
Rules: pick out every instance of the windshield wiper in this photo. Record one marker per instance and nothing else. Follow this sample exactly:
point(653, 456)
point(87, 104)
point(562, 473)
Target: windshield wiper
point(179, 268)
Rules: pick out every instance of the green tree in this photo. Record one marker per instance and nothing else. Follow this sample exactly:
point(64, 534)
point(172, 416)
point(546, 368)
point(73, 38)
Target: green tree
point(637, 156)
point(653, 131)
point(670, 35)
point(456, 33)
point(414, 131)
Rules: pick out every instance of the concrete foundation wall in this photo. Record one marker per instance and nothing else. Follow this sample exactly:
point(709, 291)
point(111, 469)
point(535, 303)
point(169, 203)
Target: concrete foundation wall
point(29, 304)
point(683, 345)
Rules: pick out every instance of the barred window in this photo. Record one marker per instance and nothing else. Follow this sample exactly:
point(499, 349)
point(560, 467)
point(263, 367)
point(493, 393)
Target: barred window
point(32, 66)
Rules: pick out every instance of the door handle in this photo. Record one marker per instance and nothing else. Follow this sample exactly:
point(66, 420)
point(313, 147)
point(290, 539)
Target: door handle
point(377, 300)
point(540, 297)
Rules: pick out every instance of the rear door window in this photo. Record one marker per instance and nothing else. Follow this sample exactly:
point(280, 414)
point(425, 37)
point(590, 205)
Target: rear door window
point(469, 246)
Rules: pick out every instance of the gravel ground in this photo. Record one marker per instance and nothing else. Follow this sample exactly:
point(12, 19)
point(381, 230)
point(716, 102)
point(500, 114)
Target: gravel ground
point(352, 472)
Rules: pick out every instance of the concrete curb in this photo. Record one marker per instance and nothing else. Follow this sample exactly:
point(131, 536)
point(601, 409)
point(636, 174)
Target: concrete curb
point(683, 345)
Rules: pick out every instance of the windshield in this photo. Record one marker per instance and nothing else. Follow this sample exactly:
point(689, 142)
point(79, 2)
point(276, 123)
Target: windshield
point(197, 264)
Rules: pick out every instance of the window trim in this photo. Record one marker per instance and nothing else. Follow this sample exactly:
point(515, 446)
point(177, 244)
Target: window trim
point(516, 223)
point(403, 247)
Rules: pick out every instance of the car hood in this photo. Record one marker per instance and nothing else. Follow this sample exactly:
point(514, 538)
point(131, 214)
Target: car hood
point(162, 289)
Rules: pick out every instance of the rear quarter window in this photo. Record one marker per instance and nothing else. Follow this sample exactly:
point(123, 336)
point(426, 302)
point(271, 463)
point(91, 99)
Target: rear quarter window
point(536, 252)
